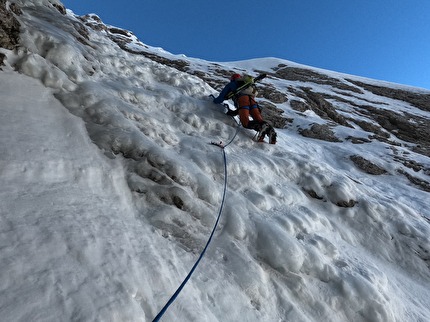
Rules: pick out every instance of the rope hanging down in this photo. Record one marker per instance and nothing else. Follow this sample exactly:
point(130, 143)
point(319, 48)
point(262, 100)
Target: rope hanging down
point(175, 295)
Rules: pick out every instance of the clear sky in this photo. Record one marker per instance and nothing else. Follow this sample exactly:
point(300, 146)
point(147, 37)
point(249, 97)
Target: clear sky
point(381, 39)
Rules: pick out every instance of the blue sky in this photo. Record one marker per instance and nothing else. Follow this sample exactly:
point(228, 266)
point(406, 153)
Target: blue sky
point(380, 39)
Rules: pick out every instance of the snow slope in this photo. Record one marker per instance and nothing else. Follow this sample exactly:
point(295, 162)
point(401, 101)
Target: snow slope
point(110, 189)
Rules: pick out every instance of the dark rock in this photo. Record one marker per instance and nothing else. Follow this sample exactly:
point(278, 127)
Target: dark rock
point(355, 140)
point(178, 202)
point(307, 75)
point(323, 108)
point(408, 127)
point(371, 127)
point(2, 58)
point(9, 26)
point(320, 132)
point(299, 106)
point(421, 101)
point(94, 22)
point(367, 166)
point(313, 194)
point(346, 204)
point(60, 8)
point(273, 115)
point(419, 183)
point(272, 94)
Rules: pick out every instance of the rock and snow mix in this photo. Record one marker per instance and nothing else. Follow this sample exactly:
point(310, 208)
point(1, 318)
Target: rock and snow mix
point(110, 189)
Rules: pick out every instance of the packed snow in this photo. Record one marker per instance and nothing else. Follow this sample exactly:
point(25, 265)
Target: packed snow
point(110, 189)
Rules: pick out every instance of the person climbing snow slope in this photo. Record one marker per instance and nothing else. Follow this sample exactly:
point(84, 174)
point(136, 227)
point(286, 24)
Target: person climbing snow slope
point(242, 90)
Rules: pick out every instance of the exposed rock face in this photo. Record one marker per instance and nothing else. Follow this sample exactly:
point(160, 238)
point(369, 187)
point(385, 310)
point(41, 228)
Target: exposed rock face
point(366, 165)
point(60, 8)
point(317, 103)
point(9, 26)
point(405, 126)
point(418, 100)
point(420, 183)
point(307, 75)
point(273, 114)
point(320, 132)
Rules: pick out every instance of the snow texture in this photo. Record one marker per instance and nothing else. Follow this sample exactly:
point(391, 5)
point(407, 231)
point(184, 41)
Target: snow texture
point(110, 189)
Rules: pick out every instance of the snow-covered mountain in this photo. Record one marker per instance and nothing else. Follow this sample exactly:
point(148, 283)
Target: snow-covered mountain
point(110, 187)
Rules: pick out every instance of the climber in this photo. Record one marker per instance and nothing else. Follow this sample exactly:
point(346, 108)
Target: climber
point(242, 91)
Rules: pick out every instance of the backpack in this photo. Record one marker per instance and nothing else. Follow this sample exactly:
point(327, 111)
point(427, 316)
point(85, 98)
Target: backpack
point(245, 86)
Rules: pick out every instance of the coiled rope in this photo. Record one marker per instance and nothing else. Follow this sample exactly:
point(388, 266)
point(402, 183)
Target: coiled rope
point(175, 295)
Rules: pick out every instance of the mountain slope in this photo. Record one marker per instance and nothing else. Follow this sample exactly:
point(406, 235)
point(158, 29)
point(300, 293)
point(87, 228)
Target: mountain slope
point(112, 188)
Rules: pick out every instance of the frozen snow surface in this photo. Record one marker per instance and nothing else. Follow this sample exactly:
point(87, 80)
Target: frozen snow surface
point(110, 189)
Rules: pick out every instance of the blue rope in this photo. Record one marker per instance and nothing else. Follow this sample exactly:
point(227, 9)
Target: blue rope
point(234, 136)
point(175, 295)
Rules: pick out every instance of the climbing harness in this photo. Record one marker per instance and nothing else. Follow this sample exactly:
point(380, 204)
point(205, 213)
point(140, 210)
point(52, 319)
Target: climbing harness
point(175, 295)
